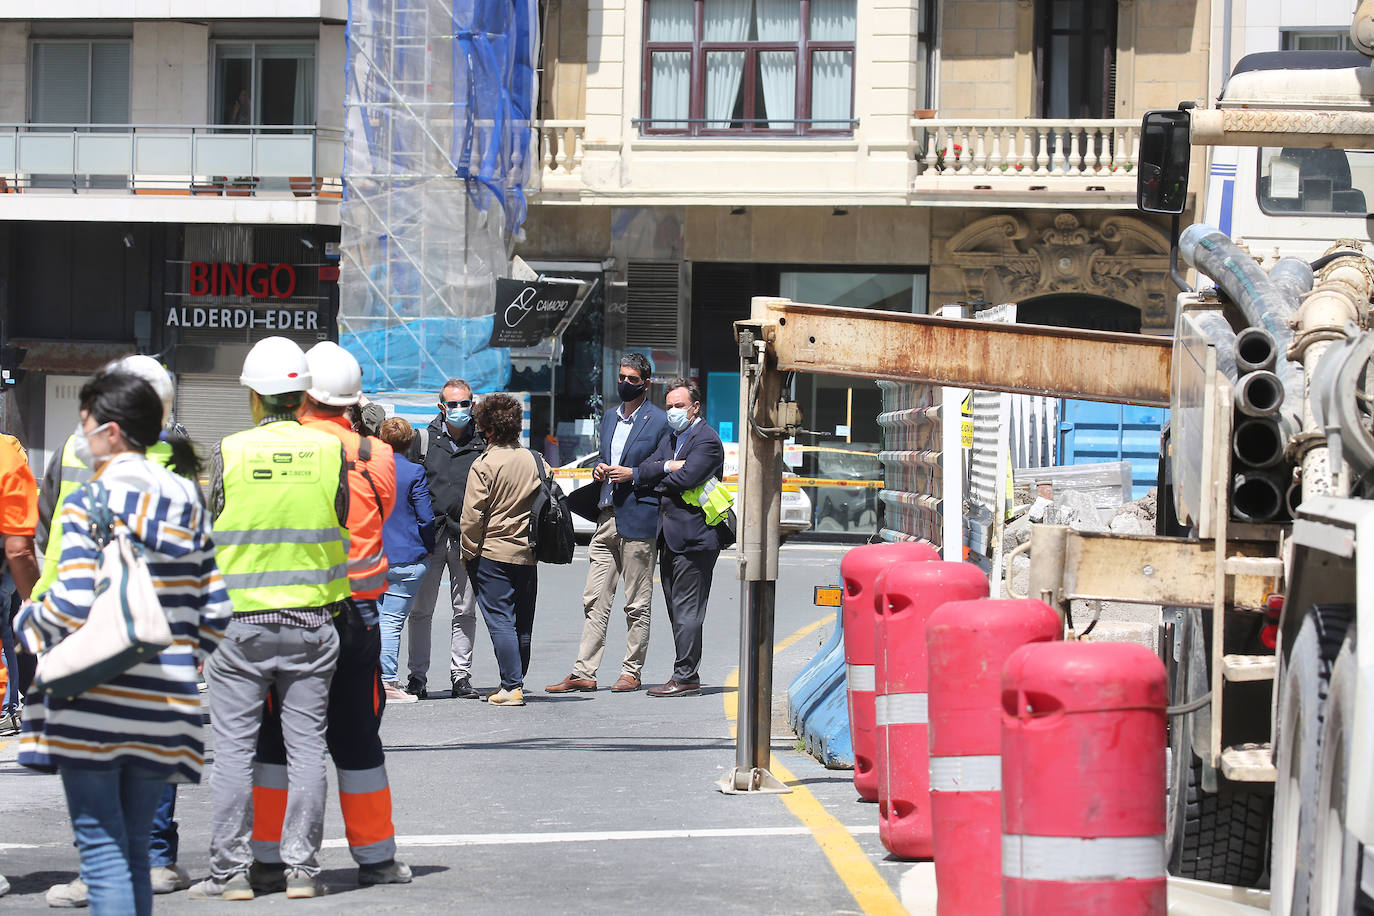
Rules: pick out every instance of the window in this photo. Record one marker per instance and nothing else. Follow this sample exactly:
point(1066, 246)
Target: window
point(80, 82)
point(749, 66)
point(1335, 39)
point(1315, 182)
point(1076, 58)
point(264, 83)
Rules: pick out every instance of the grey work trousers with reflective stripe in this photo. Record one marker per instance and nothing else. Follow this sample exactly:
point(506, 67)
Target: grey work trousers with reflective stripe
point(251, 660)
point(448, 555)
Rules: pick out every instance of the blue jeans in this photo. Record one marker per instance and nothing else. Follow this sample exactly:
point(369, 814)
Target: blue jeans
point(402, 582)
point(162, 846)
point(11, 700)
point(112, 810)
point(506, 593)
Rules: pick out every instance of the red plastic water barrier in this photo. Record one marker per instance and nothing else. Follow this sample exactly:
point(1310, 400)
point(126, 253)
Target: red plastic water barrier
point(908, 593)
point(859, 571)
point(969, 641)
point(1083, 789)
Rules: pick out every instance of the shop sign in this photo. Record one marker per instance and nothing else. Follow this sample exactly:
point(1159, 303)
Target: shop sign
point(258, 281)
point(529, 311)
point(242, 317)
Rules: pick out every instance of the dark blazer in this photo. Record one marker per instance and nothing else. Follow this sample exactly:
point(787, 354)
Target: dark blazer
point(635, 503)
point(682, 526)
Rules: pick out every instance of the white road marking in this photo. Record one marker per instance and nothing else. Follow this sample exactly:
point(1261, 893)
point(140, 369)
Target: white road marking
point(596, 836)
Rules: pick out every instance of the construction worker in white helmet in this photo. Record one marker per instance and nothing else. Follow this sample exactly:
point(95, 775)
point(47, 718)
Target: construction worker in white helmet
point(356, 695)
point(279, 497)
point(67, 471)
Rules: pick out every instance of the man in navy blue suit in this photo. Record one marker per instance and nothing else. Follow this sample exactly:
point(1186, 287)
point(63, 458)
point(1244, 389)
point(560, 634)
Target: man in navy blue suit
point(626, 526)
point(688, 545)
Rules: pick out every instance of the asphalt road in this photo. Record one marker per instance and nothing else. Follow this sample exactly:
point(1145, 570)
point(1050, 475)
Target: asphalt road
point(571, 804)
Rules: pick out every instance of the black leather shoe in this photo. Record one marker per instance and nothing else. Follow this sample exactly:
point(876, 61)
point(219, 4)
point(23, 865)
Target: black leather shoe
point(416, 688)
point(462, 690)
point(674, 689)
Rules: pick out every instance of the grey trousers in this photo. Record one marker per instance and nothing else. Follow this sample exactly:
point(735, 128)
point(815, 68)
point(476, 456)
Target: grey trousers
point(250, 660)
point(686, 579)
point(448, 554)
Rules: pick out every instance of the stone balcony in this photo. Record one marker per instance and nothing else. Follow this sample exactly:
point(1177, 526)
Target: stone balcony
point(1028, 163)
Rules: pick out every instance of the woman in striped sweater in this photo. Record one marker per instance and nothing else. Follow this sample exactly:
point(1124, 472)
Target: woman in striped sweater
point(117, 744)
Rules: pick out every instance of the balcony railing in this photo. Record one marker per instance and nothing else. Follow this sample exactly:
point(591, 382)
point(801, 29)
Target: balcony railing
point(1036, 150)
point(260, 161)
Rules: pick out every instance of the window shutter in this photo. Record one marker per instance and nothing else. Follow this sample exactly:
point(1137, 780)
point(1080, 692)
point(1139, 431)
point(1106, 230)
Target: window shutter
point(651, 314)
point(110, 83)
point(60, 80)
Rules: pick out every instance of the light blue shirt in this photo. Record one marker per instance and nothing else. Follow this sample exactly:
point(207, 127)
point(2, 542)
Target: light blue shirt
point(618, 439)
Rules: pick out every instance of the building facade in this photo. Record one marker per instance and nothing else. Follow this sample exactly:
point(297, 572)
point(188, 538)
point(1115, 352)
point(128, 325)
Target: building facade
point(894, 154)
point(170, 184)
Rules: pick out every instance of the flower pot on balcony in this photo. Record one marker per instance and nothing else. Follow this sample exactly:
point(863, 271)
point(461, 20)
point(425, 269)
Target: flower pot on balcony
point(925, 114)
point(304, 186)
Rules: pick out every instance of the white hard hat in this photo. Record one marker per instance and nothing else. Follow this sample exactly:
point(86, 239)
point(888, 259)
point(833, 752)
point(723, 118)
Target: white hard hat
point(337, 379)
point(152, 372)
point(275, 365)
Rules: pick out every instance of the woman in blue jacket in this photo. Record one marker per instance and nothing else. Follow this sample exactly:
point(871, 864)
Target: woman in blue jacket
point(408, 539)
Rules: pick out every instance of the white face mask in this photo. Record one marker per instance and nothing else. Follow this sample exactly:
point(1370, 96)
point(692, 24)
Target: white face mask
point(678, 418)
point(81, 445)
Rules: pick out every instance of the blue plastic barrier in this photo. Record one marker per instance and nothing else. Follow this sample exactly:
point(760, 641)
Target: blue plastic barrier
point(817, 705)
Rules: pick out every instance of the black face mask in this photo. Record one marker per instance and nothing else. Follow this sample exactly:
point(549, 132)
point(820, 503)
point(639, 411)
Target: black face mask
point(628, 391)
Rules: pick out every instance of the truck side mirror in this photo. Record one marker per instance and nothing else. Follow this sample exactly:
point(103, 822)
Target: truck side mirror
point(1162, 179)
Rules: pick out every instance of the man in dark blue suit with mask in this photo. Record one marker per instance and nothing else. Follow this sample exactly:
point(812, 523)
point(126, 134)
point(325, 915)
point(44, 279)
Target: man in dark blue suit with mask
point(688, 544)
point(626, 525)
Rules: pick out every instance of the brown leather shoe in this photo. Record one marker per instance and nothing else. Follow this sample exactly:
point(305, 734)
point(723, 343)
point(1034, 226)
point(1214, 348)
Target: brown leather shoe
point(626, 683)
point(573, 683)
point(674, 689)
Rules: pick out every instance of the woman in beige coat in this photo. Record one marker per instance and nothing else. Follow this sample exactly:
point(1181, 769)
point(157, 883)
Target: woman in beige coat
point(495, 528)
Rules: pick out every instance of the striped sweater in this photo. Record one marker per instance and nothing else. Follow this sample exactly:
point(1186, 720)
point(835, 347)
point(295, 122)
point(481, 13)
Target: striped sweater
point(149, 715)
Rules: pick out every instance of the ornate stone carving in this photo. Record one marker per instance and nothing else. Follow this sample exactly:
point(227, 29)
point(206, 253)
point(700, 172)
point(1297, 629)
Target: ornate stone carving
point(1017, 257)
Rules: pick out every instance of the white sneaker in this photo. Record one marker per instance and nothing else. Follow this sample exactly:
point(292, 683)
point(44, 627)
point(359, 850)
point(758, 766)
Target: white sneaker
point(504, 697)
point(394, 694)
point(168, 879)
point(70, 895)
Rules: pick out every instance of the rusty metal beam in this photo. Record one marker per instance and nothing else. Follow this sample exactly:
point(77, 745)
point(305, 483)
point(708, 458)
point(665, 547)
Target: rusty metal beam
point(1020, 358)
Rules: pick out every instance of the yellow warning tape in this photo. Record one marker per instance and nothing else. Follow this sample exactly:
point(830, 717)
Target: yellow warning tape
point(788, 482)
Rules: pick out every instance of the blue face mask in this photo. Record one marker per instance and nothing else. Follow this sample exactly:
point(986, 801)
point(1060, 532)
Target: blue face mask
point(457, 417)
point(678, 419)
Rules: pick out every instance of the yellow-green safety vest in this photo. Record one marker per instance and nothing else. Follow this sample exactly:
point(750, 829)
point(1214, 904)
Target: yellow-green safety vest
point(73, 474)
point(278, 542)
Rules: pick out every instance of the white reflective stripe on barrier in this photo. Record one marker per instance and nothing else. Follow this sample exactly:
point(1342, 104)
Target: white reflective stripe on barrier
point(1069, 858)
point(901, 709)
point(966, 774)
point(860, 677)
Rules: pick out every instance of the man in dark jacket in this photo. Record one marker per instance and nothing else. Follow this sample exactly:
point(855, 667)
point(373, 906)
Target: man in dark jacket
point(688, 544)
point(447, 449)
point(623, 545)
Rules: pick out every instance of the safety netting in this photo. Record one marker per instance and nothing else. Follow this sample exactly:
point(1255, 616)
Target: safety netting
point(438, 147)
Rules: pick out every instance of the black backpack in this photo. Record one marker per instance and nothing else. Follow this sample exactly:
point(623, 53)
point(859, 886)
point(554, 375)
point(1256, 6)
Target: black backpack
point(551, 525)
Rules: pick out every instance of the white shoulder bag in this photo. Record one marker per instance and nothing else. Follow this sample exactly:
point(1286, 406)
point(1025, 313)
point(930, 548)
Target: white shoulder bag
point(126, 623)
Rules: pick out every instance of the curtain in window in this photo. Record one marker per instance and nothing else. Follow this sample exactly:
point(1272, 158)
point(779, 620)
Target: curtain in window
point(670, 72)
point(832, 20)
point(303, 111)
point(671, 85)
point(832, 76)
point(778, 20)
point(725, 20)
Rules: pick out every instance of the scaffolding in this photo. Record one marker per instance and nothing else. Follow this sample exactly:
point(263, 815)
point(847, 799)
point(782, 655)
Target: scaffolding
point(438, 97)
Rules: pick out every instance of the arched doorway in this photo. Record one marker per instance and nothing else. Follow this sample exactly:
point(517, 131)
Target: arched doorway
point(1079, 310)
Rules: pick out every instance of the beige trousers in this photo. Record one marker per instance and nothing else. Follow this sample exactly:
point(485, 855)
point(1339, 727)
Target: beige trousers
point(614, 557)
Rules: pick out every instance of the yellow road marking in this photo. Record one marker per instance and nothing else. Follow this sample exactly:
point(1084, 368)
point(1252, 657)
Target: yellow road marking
point(5, 744)
point(846, 856)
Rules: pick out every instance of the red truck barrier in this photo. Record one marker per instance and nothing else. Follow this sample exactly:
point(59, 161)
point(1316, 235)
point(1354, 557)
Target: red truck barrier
point(1083, 789)
point(968, 643)
point(908, 593)
point(859, 571)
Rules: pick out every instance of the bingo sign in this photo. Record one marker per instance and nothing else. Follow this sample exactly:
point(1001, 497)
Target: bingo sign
point(259, 282)
point(527, 312)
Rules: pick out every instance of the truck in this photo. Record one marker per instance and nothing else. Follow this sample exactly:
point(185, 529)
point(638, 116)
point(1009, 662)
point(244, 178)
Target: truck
point(1263, 562)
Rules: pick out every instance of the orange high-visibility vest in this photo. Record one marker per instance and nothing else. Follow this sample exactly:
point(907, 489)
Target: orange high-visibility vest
point(371, 497)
